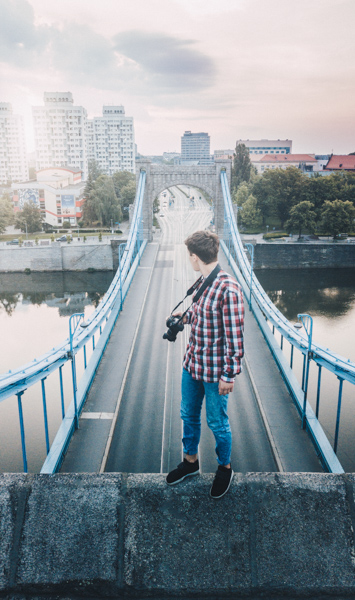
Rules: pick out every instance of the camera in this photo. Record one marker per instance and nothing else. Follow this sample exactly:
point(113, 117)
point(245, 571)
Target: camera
point(174, 325)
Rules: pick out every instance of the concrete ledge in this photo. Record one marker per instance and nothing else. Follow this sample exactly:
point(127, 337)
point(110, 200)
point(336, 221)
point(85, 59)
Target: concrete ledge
point(115, 535)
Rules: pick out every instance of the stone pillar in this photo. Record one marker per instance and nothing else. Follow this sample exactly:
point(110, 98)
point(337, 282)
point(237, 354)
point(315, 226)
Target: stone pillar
point(147, 213)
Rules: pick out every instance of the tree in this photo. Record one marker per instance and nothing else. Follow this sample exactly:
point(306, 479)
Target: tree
point(94, 173)
point(338, 217)
point(250, 215)
point(121, 179)
point(302, 216)
point(6, 212)
point(30, 217)
point(102, 203)
point(242, 194)
point(125, 187)
point(242, 167)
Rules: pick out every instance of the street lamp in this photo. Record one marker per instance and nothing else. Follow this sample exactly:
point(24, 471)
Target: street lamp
point(250, 249)
point(306, 322)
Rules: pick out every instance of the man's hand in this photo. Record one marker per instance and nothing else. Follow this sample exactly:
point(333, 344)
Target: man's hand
point(225, 387)
point(178, 314)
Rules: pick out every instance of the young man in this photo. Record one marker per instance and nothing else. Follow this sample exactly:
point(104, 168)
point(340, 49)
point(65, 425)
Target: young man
point(211, 362)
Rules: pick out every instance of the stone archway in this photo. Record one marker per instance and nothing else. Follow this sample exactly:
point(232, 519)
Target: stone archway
point(160, 177)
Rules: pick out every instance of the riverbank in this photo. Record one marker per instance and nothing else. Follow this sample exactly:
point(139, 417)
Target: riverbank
point(57, 256)
point(103, 256)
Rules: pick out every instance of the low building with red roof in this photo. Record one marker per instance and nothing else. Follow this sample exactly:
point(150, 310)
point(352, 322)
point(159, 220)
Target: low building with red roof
point(341, 162)
point(306, 162)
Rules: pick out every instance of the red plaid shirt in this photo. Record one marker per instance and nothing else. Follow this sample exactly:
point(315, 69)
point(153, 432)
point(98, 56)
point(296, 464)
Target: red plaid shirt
point(215, 347)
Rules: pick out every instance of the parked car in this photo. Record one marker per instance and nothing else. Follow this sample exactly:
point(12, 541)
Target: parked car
point(63, 238)
point(14, 242)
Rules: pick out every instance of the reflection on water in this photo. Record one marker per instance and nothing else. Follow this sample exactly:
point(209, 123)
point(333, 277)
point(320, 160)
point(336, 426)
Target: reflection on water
point(327, 292)
point(35, 310)
point(66, 291)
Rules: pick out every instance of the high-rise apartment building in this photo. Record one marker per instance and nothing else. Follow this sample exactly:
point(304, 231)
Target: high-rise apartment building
point(195, 148)
point(60, 133)
point(13, 158)
point(110, 140)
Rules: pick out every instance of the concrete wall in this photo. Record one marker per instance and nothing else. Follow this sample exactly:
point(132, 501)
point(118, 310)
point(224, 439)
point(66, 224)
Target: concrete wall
point(275, 255)
point(277, 535)
point(57, 257)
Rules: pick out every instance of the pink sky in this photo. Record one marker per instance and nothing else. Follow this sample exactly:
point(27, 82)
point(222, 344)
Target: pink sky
point(236, 69)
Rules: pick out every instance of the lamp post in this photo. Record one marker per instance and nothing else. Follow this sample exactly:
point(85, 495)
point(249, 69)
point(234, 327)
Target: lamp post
point(250, 249)
point(306, 322)
point(73, 325)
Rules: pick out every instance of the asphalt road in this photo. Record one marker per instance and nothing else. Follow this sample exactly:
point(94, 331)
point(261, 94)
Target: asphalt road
point(147, 437)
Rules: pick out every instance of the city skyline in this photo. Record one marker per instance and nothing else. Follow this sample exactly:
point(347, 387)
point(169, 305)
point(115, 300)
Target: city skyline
point(244, 69)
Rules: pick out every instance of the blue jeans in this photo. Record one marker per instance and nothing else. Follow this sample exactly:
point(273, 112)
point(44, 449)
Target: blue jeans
point(192, 394)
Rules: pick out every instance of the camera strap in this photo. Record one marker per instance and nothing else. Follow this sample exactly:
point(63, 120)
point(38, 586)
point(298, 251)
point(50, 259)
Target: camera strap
point(207, 282)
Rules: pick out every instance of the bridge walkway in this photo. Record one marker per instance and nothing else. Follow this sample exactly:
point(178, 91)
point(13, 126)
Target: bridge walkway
point(130, 421)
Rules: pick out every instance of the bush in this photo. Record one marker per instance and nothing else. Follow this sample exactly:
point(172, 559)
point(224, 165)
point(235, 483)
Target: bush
point(274, 235)
point(27, 271)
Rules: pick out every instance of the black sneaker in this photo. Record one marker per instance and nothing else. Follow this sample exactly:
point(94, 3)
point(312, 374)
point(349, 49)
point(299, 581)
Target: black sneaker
point(221, 482)
point(184, 469)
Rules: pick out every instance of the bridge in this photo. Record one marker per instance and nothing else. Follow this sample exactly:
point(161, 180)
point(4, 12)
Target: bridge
point(123, 418)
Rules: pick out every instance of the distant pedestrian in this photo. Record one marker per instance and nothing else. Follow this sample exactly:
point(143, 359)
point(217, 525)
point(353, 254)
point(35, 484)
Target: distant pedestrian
point(211, 362)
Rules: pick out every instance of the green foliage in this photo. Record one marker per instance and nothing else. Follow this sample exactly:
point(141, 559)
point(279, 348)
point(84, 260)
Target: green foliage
point(20, 241)
point(302, 217)
point(242, 167)
point(84, 239)
point(100, 236)
point(337, 217)
point(250, 215)
point(66, 224)
point(125, 187)
point(241, 195)
point(102, 204)
point(6, 212)
point(30, 215)
point(275, 235)
point(278, 190)
point(36, 241)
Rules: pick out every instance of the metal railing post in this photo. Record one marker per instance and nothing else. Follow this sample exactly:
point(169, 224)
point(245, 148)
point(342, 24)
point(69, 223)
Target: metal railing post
point(45, 413)
point(307, 323)
point(22, 429)
point(340, 394)
point(73, 324)
point(61, 391)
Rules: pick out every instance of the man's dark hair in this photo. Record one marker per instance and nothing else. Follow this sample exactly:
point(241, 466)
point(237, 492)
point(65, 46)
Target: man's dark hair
point(204, 244)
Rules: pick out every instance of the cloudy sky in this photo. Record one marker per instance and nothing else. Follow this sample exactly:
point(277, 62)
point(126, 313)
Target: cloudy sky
point(234, 68)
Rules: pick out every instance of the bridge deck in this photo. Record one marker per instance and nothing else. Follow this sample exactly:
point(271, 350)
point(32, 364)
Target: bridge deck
point(147, 435)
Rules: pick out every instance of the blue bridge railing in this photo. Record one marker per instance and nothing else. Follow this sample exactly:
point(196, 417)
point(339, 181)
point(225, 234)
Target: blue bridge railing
point(87, 338)
point(265, 311)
